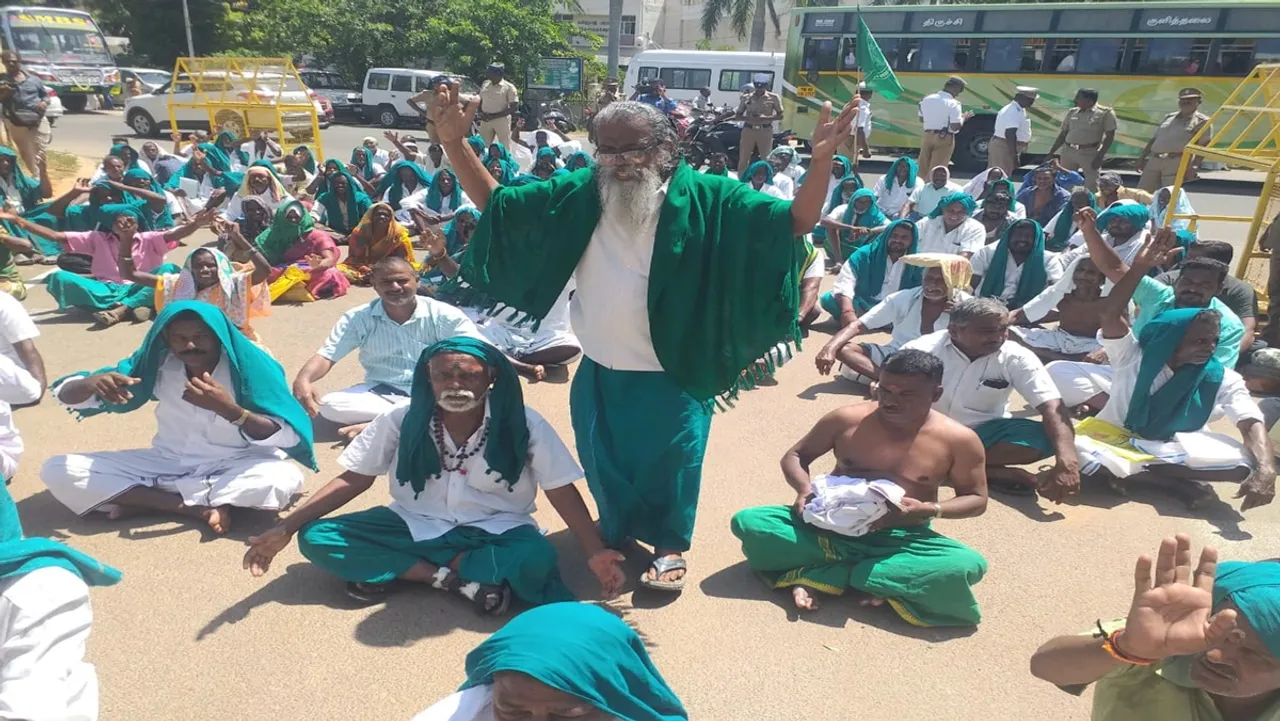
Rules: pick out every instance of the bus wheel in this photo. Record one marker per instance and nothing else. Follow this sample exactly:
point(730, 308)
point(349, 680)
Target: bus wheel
point(74, 103)
point(972, 142)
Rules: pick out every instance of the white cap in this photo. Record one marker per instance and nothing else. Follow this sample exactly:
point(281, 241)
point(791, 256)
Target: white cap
point(1027, 90)
point(862, 86)
point(760, 78)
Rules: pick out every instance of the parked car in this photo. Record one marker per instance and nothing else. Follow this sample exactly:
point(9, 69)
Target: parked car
point(148, 114)
point(342, 94)
point(148, 78)
point(386, 93)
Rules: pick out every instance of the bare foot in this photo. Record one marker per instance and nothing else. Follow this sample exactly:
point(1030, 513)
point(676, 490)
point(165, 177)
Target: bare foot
point(539, 373)
point(1196, 494)
point(871, 602)
point(804, 601)
point(119, 512)
point(1014, 481)
point(219, 519)
point(350, 432)
point(108, 318)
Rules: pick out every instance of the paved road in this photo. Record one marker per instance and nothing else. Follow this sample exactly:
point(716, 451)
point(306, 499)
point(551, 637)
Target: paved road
point(190, 635)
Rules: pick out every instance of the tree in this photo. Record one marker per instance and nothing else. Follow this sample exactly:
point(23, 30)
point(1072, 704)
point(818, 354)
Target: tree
point(748, 16)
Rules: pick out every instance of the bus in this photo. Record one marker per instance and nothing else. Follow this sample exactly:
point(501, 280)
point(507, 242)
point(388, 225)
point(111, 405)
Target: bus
point(64, 48)
point(1136, 54)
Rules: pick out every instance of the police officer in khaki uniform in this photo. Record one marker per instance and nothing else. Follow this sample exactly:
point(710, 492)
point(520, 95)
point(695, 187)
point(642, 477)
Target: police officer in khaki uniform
point(1087, 132)
point(758, 109)
point(1159, 160)
point(498, 102)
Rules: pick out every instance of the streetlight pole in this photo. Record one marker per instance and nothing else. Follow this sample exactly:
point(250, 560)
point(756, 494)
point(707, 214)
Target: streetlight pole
point(186, 20)
point(615, 39)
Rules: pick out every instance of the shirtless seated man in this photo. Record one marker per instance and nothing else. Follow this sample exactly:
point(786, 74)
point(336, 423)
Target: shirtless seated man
point(925, 577)
point(1074, 302)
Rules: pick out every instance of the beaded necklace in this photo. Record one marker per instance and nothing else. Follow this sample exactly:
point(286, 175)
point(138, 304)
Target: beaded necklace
point(447, 459)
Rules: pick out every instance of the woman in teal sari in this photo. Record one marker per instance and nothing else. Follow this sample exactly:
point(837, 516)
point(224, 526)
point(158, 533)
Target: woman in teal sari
point(343, 200)
point(497, 151)
point(500, 172)
point(157, 214)
point(366, 166)
point(561, 661)
point(436, 272)
point(578, 160)
point(852, 223)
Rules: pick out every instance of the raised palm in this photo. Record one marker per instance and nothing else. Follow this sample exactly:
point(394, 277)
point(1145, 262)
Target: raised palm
point(1174, 616)
point(452, 119)
point(829, 133)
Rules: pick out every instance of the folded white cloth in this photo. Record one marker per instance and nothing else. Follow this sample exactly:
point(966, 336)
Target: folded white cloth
point(849, 506)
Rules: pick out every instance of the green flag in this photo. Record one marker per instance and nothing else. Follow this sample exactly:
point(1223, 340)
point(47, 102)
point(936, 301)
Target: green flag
point(876, 72)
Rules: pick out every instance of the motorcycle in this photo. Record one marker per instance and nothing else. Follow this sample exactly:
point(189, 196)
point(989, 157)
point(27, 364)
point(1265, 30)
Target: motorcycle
point(712, 132)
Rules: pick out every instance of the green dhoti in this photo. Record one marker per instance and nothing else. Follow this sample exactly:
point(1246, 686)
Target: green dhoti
point(925, 577)
point(78, 291)
point(641, 440)
point(375, 546)
point(1015, 431)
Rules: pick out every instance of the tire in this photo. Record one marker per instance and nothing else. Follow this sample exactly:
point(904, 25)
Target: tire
point(232, 120)
point(387, 116)
point(972, 142)
point(695, 156)
point(74, 103)
point(143, 124)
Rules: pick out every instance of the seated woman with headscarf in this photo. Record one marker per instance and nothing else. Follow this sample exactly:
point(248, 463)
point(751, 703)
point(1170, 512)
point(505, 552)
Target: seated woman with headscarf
point(498, 151)
point(851, 224)
point(533, 666)
point(896, 186)
point(405, 187)
point(759, 176)
point(128, 157)
point(1160, 212)
point(444, 197)
point(791, 168)
point(1016, 269)
point(457, 235)
point(232, 149)
point(377, 236)
point(1061, 230)
point(299, 171)
point(578, 160)
point(841, 168)
point(259, 182)
point(162, 209)
point(872, 272)
point(1042, 197)
point(202, 176)
point(368, 172)
point(340, 202)
point(939, 282)
point(500, 172)
point(304, 261)
point(254, 220)
point(1201, 642)
point(161, 162)
point(779, 162)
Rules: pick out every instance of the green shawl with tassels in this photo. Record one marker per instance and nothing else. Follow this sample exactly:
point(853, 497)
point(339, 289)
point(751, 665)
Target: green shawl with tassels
point(507, 449)
point(724, 282)
point(1034, 277)
point(259, 383)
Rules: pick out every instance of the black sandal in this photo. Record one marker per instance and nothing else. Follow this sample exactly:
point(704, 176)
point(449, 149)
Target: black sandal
point(370, 592)
point(1010, 488)
point(487, 599)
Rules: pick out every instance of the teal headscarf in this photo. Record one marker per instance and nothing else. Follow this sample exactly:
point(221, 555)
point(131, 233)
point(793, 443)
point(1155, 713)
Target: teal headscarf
point(391, 182)
point(581, 160)
point(1137, 215)
point(891, 175)
point(309, 162)
point(872, 217)
point(126, 154)
point(258, 381)
point(282, 235)
point(970, 205)
point(452, 242)
point(367, 171)
point(28, 187)
point(508, 177)
point(836, 199)
point(162, 220)
point(1184, 403)
point(358, 202)
point(214, 158)
point(1254, 588)
point(510, 163)
point(507, 449)
point(1062, 229)
point(236, 150)
point(20, 556)
point(434, 197)
point(845, 163)
point(755, 167)
point(88, 216)
point(1034, 277)
point(477, 146)
point(870, 262)
point(584, 651)
point(1008, 189)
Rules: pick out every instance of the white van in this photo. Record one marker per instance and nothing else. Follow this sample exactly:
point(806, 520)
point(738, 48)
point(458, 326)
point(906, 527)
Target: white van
point(685, 72)
point(387, 91)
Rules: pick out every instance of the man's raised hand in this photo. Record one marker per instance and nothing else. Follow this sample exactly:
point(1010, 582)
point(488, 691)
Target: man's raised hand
point(828, 134)
point(452, 119)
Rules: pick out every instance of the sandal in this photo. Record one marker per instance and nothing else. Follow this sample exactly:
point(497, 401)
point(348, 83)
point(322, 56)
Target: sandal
point(663, 565)
point(370, 592)
point(487, 599)
point(23, 259)
point(108, 318)
point(1010, 488)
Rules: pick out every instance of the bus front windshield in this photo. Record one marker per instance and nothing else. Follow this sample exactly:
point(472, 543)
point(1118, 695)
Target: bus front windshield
point(58, 38)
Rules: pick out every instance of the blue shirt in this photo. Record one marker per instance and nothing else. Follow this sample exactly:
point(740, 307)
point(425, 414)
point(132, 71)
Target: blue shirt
point(666, 105)
point(389, 351)
point(1154, 297)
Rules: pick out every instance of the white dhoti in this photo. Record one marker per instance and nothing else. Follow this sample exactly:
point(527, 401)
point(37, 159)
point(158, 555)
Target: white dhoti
point(877, 352)
point(1102, 446)
point(520, 340)
point(86, 482)
point(360, 403)
point(1078, 381)
point(1056, 340)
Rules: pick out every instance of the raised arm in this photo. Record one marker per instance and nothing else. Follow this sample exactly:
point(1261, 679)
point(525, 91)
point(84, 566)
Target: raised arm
point(453, 125)
point(806, 207)
point(16, 244)
point(261, 268)
point(56, 236)
point(1103, 255)
point(369, 187)
point(58, 208)
point(124, 259)
point(199, 220)
point(153, 198)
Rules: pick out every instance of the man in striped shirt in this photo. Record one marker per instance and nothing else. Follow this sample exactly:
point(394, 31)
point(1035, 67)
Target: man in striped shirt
point(390, 332)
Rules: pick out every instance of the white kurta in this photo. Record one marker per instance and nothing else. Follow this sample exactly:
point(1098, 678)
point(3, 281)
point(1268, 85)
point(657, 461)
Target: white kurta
point(891, 200)
point(16, 386)
point(235, 207)
point(474, 704)
point(45, 620)
point(847, 280)
point(195, 453)
point(981, 261)
point(519, 339)
point(967, 237)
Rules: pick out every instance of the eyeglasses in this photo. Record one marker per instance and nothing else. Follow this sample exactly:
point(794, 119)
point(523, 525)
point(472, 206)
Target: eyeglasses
point(630, 157)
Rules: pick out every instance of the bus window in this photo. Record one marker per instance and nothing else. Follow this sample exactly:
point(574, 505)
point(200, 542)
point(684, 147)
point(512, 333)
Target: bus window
point(820, 55)
point(1169, 56)
point(1237, 57)
point(1098, 55)
point(849, 58)
point(1266, 51)
point(1063, 59)
point(1011, 55)
point(943, 55)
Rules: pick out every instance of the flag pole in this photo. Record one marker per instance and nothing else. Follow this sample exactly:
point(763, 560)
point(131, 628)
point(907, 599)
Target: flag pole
point(857, 76)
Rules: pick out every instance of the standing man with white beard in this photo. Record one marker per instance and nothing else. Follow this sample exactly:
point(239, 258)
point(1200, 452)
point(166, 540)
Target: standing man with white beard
point(645, 236)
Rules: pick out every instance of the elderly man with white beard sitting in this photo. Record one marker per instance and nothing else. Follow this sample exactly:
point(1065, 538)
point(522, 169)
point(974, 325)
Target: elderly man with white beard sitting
point(646, 237)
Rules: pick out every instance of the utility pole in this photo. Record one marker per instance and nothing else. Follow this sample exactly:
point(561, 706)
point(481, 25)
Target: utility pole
point(186, 20)
point(615, 40)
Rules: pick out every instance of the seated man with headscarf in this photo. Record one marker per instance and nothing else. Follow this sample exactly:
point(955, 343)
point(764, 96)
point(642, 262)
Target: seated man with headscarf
point(1123, 228)
point(45, 620)
point(1200, 280)
point(225, 426)
point(852, 224)
point(464, 487)
point(951, 228)
point(924, 200)
point(896, 186)
point(1166, 385)
point(865, 526)
point(1016, 269)
point(873, 272)
point(911, 313)
point(982, 368)
point(390, 333)
point(1238, 295)
point(1200, 642)
point(1074, 301)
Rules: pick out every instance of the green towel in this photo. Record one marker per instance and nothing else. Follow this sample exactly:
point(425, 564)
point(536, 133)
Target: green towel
point(1185, 402)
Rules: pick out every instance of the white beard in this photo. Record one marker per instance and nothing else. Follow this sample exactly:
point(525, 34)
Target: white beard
point(632, 203)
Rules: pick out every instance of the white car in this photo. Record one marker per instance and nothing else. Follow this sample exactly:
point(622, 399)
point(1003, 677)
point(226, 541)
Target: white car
point(148, 114)
point(149, 78)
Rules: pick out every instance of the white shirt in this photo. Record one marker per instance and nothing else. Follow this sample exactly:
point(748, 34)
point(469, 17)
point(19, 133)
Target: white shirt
point(970, 388)
point(1013, 115)
point(847, 280)
point(1127, 251)
point(903, 310)
point(785, 186)
point(863, 120)
point(610, 311)
point(891, 200)
point(981, 260)
point(927, 195)
point(45, 619)
point(939, 111)
point(771, 190)
point(16, 386)
point(473, 496)
point(1233, 398)
point(967, 237)
point(235, 207)
point(15, 326)
point(381, 156)
point(416, 199)
point(192, 435)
